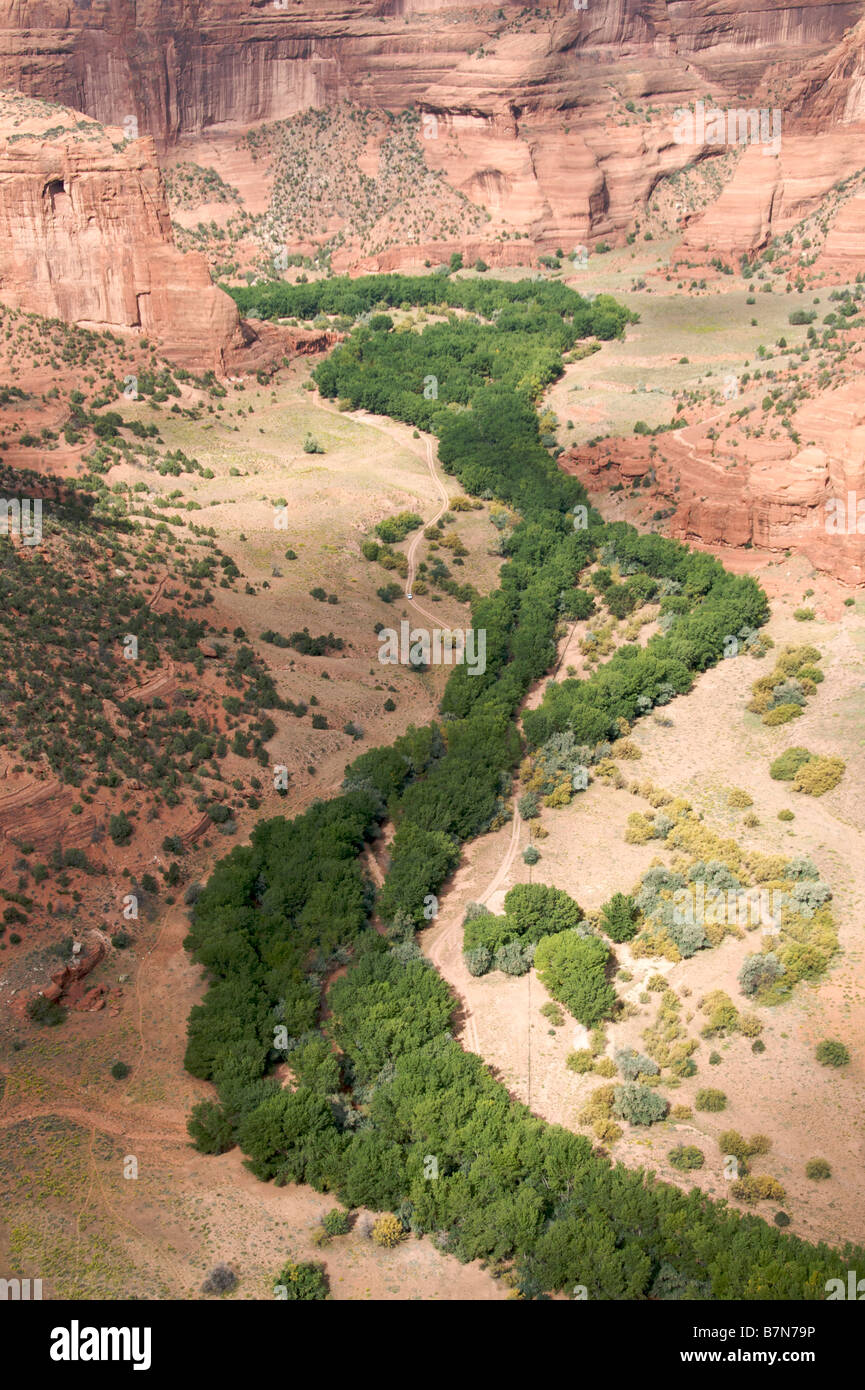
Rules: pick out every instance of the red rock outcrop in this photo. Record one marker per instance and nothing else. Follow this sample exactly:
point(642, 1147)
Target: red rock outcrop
point(66, 982)
point(770, 193)
point(766, 493)
point(85, 235)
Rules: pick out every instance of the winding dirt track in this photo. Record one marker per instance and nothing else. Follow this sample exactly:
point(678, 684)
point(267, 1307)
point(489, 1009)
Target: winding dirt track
point(445, 953)
point(418, 537)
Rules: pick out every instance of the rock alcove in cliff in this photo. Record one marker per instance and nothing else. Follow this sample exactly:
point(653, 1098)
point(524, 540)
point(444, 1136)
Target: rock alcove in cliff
point(58, 198)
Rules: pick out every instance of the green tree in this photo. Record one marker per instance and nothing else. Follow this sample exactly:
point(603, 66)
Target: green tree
point(573, 969)
point(619, 917)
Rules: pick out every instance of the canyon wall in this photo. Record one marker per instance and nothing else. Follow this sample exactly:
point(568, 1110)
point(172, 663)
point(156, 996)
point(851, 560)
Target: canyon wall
point(85, 235)
point(184, 66)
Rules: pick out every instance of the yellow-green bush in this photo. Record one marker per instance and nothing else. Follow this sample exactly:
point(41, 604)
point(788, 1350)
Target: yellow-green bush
point(599, 1106)
point(639, 829)
point(607, 1131)
point(560, 795)
point(626, 748)
point(387, 1231)
point(781, 714)
point(819, 775)
point(606, 1067)
point(739, 799)
point(758, 1187)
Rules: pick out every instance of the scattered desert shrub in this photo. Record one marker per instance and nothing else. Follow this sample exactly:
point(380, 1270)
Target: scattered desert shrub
point(221, 1279)
point(739, 799)
point(785, 767)
point(758, 1187)
point(626, 748)
point(759, 972)
point(639, 830)
point(633, 1064)
point(731, 1142)
point(46, 1012)
point(580, 1061)
point(832, 1053)
point(707, 1098)
point(781, 714)
point(607, 1131)
point(478, 960)
point(667, 1040)
point(724, 1018)
point(819, 775)
point(387, 1231)
point(818, 1169)
point(120, 828)
point(395, 528)
point(639, 1105)
point(686, 1157)
point(599, 1105)
point(528, 806)
point(606, 1067)
point(554, 1014)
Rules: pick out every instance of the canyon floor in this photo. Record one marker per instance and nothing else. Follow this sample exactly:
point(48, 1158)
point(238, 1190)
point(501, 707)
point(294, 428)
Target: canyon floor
point(90, 1231)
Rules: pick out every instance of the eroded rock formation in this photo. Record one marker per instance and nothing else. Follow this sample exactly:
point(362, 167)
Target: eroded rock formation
point(85, 236)
point(768, 493)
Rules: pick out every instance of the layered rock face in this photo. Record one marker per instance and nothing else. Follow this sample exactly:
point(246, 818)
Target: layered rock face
point(536, 104)
point(182, 66)
point(769, 193)
point(85, 236)
point(765, 493)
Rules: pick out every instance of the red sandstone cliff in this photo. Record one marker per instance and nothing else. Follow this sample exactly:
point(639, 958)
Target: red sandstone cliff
point(533, 104)
point(85, 235)
point(182, 66)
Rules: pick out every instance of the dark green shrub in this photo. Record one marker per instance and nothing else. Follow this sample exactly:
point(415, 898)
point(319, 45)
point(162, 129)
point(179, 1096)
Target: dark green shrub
point(336, 1222)
point(619, 917)
point(46, 1012)
point(832, 1053)
point(120, 828)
